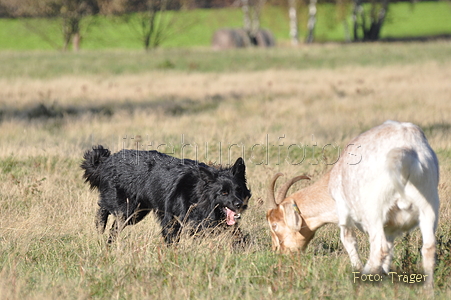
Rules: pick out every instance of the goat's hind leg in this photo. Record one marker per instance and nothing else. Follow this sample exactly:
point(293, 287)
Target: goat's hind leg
point(349, 241)
point(386, 263)
point(427, 225)
point(428, 206)
point(379, 250)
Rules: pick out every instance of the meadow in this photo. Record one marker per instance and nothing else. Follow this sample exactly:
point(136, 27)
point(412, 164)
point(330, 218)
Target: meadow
point(189, 28)
point(284, 110)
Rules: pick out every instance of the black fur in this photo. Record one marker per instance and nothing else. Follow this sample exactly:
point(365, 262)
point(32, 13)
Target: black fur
point(180, 192)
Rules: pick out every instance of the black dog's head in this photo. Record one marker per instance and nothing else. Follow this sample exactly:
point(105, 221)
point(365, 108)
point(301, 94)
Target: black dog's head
point(227, 191)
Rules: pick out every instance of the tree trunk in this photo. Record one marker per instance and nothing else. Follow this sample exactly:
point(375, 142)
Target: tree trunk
point(377, 18)
point(294, 33)
point(148, 25)
point(377, 22)
point(76, 41)
point(246, 16)
point(153, 25)
point(355, 16)
point(71, 31)
point(67, 33)
point(311, 20)
point(255, 21)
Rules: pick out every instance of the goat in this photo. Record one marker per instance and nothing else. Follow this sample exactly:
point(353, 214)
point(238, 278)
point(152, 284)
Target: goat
point(391, 190)
point(294, 220)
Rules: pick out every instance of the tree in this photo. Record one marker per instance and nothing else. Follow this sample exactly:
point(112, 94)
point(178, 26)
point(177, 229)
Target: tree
point(368, 28)
point(154, 23)
point(293, 6)
point(4, 13)
point(311, 20)
point(292, 13)
point(251, 12)
point(72, 12)
point(148, 17)
point(343, 8)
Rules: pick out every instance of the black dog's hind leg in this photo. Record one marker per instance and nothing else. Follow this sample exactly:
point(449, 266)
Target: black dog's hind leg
point(101, 219)
point(125, 208)
point(120, 223)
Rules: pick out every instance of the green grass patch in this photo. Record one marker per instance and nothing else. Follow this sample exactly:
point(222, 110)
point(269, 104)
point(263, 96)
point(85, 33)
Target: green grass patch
point(43, 64)
point(420, 19)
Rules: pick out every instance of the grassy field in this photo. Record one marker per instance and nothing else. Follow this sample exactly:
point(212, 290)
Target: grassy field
point(254, 103)
point(190, 29)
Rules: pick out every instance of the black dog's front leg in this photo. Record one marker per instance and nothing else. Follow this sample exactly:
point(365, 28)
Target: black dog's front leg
point(116, 228)
point(171, 230)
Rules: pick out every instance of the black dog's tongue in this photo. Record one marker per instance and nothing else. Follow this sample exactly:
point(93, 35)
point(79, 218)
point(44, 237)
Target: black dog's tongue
point(230, 219)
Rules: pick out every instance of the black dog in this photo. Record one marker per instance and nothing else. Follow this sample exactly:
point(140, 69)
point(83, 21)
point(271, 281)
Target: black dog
point(180, 192)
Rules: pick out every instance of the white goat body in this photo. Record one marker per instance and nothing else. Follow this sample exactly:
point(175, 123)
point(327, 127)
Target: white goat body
point(386, 185)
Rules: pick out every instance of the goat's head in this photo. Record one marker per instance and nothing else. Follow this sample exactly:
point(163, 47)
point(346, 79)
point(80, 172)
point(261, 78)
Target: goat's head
point(288, 230)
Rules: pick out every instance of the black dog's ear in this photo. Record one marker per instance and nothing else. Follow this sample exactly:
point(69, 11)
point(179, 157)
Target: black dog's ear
point(239, 169)
point(206, 175)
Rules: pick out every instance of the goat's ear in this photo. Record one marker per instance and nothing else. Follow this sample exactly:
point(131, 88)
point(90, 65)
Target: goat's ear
point(239, 169)
point(206, 175)
point(292, 215)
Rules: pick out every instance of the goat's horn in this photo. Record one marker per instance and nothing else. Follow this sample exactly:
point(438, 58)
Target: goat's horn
point(283, 191)
point(271, 199)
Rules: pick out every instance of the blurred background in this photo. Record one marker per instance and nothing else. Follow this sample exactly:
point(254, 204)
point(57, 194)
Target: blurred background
point(147, 24)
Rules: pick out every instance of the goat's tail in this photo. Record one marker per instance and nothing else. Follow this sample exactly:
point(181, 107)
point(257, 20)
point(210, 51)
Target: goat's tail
point(403, 165)
point(92, 160)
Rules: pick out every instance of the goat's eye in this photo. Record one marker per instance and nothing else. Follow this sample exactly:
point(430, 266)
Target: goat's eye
point(224, 193)
point(274, 226)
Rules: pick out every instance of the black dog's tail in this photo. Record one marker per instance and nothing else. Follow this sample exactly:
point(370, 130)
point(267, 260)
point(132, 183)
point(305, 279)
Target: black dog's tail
point(92, 160)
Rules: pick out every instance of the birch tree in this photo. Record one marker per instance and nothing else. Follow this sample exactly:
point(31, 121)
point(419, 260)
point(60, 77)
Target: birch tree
point(292, 12)
point(251, 14)
point(311, 21)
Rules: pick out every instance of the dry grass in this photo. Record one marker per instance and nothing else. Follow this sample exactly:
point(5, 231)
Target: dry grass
point(48, 245)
